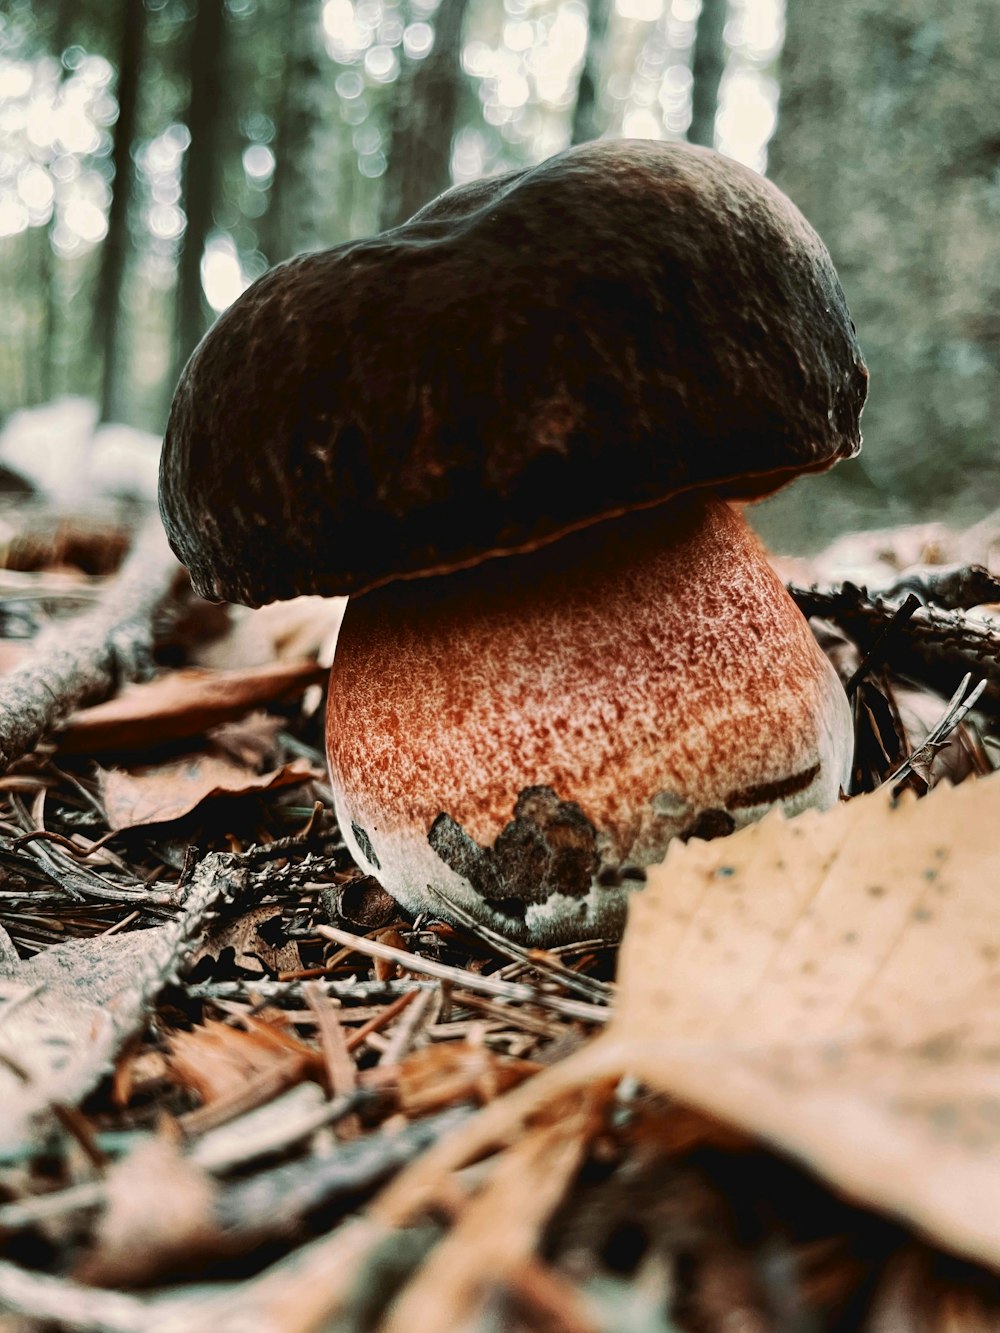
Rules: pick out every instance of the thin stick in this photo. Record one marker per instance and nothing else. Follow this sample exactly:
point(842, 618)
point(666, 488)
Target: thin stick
point(509, 990)
point(87, 659)
point(539, 959)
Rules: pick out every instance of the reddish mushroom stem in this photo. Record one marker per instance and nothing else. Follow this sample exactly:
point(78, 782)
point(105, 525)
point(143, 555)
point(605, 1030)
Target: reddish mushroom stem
point(527, 735)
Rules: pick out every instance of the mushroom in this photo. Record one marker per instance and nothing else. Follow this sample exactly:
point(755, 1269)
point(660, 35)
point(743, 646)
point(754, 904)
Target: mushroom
point(582, 367)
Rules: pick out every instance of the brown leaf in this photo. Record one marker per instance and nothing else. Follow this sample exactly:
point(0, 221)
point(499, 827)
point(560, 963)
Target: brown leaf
point(437, 1076)
point(158, 1218)
point(217, 1061)
point(159, 793)
point(832, 984)
point(243, 934)
point(181, 704)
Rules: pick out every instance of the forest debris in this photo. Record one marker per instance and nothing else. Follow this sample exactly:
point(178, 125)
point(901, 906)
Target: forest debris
point(135, 1243)
point(72, 1305)
point(90, 657)
point(829, 983)
point(474, 981)
point(953, 587)
point(932, 646)
point(254, 937)
point(182, 704)
point(159, 793)
point(218, 1061)
point(341, 1071)
point(439, 1075)
point(67, 1011)
point(504, 1222)
point(915, 770)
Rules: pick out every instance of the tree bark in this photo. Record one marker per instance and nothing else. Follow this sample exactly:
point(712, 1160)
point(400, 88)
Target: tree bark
point(889, 141)
point(423, 120)
point(288, 226)
point(109, 327)
point(585, 120)
point(708, 62)
point(201, 171)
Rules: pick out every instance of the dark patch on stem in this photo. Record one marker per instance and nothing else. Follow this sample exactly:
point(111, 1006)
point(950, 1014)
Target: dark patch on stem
point(550, 846)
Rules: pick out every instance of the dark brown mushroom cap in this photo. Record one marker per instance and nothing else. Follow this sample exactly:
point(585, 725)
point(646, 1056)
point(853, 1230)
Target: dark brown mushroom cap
point(524, 356)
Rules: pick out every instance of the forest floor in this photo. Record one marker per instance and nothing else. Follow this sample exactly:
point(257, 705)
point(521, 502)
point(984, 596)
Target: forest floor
point(240, 1089)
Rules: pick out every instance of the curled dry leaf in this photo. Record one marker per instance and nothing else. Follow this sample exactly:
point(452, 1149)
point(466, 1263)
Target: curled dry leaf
point(256, 939)
point(158, 793)
point(218, 1061)
point(183, 703)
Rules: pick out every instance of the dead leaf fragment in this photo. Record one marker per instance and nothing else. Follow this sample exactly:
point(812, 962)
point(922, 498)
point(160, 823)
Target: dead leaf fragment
point(183, 703)
point(218, 1061)
point(438, 1076)
point(136, 1242)
point(158, 793)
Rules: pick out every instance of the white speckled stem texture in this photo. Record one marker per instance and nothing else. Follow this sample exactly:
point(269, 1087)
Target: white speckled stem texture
point(650, 670)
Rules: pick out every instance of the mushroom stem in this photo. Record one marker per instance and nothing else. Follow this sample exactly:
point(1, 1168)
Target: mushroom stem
point(529, 734)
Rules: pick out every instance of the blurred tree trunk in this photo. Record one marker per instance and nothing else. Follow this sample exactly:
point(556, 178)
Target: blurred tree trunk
point(708, 61)
point(424, 113)
point(585, 122)
point(49, 360)
point(109, 324)
point(288, 226)
point(889, 141)
point(202, 169)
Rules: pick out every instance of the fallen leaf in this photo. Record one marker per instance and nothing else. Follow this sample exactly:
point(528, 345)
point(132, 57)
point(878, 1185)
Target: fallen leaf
point(136, 1243)
point(217, 1061)
point(181, 704)
point(832, 984)
point(245, 935)
point(159, 793)
point(441, 1075)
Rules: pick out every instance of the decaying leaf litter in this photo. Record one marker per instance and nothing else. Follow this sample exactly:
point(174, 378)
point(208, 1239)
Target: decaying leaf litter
point(241, 1089)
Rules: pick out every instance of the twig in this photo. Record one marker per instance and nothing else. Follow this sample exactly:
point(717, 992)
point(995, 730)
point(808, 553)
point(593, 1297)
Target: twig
point(539, 959)
point(69, 1304)
point(919, 762)
point(934, 647)
point(88, 658)
point(474, 981)
point(876, 653)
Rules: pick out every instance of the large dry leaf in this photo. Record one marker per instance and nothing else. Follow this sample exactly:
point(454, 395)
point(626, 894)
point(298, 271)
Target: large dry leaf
point(830, 983)
point(159, 793)
point(833, 984)
point(181, 704)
